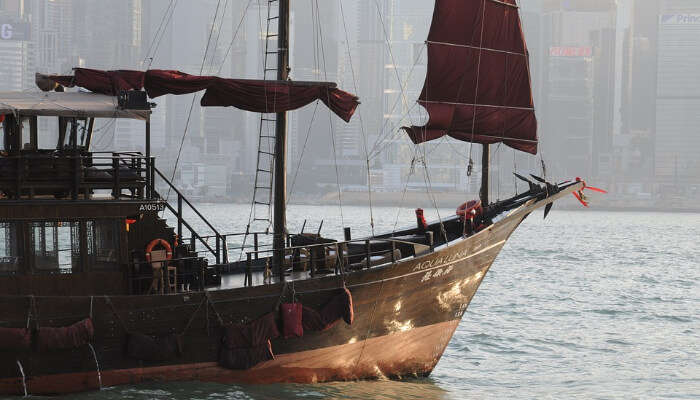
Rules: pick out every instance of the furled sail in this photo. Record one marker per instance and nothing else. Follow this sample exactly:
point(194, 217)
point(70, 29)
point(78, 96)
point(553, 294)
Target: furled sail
point(477, 87)
point(251, 95)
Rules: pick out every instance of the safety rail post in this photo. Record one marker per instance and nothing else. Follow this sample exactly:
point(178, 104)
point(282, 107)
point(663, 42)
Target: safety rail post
point(193, 243)
point(248, 273)
point(337, 258)
point(393, 252)
point(179, 215)
point(142, 165)
point(218, 249)
point(149, 175)
point(312, 261)
point(225, 249)
point(367, 254)
point(76, 176)
point(255, 245)
point(430, 240)
point(20, 175)
point(153, 173)
point(115, 180)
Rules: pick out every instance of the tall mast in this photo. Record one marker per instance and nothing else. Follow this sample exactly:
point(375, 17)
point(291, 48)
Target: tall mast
point(280, 177)
point(485, 159)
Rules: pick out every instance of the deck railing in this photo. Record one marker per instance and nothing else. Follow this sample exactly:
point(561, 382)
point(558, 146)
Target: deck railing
point(36, 174)
point(339, 256)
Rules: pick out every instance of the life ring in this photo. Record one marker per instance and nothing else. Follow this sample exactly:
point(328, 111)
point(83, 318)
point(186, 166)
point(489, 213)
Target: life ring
point(162, 242)
point(470, 209)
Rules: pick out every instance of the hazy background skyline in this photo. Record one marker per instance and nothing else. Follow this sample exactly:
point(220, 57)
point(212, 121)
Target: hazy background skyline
point(615, 83)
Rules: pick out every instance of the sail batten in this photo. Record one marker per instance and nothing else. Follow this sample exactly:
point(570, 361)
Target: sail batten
point(477, 87)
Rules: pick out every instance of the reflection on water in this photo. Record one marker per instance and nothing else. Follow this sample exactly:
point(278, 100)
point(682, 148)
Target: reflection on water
point(380, 390)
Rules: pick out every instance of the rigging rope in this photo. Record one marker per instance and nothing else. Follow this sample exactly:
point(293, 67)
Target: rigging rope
point(359, 112)
point(194, 97)
point(330, 122)
point(235, 34)
point(160, 31)
point(218, 35)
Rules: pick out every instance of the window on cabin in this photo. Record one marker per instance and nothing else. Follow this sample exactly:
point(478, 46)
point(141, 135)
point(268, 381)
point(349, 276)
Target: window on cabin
point(103, 244)
point(56, 246)
point(9, 249)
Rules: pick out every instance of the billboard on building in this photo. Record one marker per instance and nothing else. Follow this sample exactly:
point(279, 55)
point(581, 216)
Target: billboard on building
point(570, 51)
point(16, 31)
point(679, 19)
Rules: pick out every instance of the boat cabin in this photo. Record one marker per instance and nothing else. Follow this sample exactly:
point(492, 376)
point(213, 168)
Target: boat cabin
point(73, 220)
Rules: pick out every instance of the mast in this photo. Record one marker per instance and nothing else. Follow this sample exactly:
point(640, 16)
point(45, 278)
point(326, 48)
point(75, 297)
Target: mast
point(280, 175)
point(484, 192)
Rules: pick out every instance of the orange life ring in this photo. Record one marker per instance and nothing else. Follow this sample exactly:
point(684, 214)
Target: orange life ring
point(162, 242)
point(470, 209)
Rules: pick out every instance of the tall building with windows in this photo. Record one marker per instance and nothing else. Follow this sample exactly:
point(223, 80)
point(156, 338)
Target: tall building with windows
point(662, 97)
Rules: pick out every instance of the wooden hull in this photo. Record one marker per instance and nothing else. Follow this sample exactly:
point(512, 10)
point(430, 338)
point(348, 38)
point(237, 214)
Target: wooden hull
point(405, 315)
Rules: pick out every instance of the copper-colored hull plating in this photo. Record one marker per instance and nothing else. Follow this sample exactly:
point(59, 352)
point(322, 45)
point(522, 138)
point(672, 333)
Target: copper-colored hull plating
point(421, 349)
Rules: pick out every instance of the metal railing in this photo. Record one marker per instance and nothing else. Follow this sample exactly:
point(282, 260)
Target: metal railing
point(337, 255)
point(220, 249)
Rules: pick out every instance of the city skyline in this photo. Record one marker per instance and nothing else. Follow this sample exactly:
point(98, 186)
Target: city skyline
point(591, 66)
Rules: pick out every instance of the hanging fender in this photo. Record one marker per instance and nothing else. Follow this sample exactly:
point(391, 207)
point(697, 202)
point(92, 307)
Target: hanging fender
point(156, 242)
point(470, 209)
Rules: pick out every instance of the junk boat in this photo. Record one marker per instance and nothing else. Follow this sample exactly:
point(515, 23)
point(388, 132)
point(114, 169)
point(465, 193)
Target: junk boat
point(96, 289)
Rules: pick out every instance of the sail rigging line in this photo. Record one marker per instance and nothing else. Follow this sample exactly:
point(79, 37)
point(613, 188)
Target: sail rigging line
point(303, 150)
point(330, 120)
point(218, 35)
point(476, 91)
point(359, 112)
point(194, 97)
point(388, 140)
point(235, 34)
point(429, 191)
point(391, 54)
point(160, 31)
point(315, 21)
point(381, 137)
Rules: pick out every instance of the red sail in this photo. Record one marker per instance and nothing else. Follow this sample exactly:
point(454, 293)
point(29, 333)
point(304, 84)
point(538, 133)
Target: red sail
point(251, 95)
point(477, 87)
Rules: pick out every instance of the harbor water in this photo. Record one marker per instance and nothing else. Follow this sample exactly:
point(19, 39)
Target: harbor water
point(585, 304)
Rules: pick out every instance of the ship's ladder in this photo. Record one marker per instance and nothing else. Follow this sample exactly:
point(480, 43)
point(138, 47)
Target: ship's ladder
point(261, 212)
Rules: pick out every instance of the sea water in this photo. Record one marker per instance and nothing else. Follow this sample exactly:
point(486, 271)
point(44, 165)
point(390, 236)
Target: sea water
point(585, 304)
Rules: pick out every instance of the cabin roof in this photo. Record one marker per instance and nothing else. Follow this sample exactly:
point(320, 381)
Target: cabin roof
point(66, 104)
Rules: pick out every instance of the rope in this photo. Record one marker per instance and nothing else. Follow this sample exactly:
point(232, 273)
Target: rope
point(211, 303)
point(189, 323)
point(116, 315)
point(359, 113)
point(478, 74)
point(303, 150)
point(194, 97)
point(371, 322)
point(235, 34)
point(391, 54)
point(330, 122)
point(160, 31)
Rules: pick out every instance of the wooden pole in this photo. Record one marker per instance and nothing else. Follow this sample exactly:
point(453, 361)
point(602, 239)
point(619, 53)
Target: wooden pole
point(280, 175)
point(485, 159)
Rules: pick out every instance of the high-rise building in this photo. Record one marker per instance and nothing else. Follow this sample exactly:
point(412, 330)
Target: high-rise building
point(16, 45)
point(662, 96)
